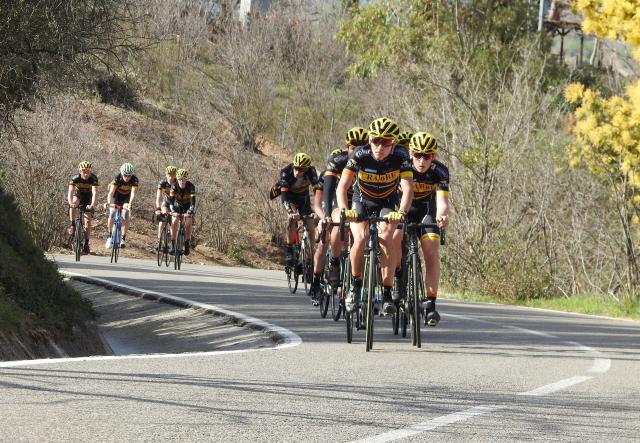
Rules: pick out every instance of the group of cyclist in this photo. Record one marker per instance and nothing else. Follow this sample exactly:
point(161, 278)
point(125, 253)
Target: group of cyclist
point(175, 195)
point(380, 172)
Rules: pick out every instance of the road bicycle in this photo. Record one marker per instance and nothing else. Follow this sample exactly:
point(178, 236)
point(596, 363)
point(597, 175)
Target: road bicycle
point(179, 247)
point(303, 259)
point(165, 239)
point(409, 307)
point(116, 233)
point(79, 236)
point(334, 293)
point(329, 295)
point(362, 314)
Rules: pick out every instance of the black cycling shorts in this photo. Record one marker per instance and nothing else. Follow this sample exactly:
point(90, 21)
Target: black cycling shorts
point(302, 203)
point(119, 199)
point(425, 213)
point(370, 207)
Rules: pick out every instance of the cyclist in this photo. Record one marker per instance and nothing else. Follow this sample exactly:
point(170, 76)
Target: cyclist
point(336, 163)
point(376, 168)
point(404, 139)
point(122, 193)
point(295, 179)
point(183, 201)
point(83, 191)
point(403, 143)
point(430, 205)
point(323, 244)
point(162, 197)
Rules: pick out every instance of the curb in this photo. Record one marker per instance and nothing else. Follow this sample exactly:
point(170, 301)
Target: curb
point(280, 336)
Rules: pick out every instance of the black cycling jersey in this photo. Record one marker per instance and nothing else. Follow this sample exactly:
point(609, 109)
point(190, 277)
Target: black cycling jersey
point(165, 187)
point(183, 199)
point(377, 181)
point(292, 187)
point(436, 178)
point(123, 187)
point(83, 187)
point(336, 163)
point(425, 187)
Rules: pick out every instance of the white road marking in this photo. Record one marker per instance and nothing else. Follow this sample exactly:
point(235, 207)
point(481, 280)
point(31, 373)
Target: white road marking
point(289, 338)
point(557, 386)
point(600, 366)
point(430, 425)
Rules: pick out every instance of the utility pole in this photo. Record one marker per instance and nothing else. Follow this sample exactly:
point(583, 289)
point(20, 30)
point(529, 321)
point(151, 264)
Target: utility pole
point(541, 16)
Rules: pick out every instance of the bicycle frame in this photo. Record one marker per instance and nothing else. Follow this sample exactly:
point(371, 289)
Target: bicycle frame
point(116, 234)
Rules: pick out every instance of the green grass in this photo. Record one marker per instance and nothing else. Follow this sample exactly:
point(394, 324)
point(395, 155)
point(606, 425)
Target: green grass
point(11, 316)
point(582, 304)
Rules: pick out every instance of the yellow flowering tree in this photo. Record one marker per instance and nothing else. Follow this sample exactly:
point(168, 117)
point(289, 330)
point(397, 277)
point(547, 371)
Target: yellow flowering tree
point(607, 130)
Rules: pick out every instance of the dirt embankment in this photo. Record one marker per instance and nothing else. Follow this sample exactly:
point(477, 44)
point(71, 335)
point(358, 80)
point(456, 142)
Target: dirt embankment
point(29, 344)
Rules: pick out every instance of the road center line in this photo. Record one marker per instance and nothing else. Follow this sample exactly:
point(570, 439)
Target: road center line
point(600, 366)
point(430, 425)
point(557, 386)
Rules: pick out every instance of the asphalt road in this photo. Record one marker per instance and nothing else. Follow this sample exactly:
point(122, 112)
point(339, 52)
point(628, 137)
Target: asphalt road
point(486, 373)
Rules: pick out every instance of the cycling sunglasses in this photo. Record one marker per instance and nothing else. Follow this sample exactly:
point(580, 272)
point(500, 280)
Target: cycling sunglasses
point(425, 157)
point(386, 142)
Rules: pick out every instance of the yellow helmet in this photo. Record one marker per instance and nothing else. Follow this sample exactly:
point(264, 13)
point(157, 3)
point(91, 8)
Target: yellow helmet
point(84, 165)
point(301, 160)
point(171, 170)
point(384, 128)
point(423, 143)
point(182, 173)
point(357, 136)
point(404, 138)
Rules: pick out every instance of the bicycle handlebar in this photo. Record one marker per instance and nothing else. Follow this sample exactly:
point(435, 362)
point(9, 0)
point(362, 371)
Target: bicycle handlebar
point(322, 237)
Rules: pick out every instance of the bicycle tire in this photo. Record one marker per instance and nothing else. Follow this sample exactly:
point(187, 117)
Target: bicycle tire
point(325, 300)
point(79, 237)
point(179, 246)
point(404, 322)
point(306, 258)
point(165, 251)
point(292, 279)
point(344, 287)
point(415, 301)
point(395, 320)
point(161, 245)
point(348, 317)
point(335, 303)
point(371, 288)
point(115, 246)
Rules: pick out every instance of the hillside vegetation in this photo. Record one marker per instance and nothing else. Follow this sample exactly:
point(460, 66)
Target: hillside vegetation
point(32, 293)
point(232, 104)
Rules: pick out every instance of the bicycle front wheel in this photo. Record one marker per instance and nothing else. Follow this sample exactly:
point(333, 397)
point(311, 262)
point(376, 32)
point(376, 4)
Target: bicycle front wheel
point(370, 271)
point(178, 249)
point(306, 258)
point(415, 300)
point(78, 241)
point(161, 245)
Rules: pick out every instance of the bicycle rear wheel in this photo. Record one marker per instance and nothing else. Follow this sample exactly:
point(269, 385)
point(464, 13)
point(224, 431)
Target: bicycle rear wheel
point(292, 279)
point(325, 299)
